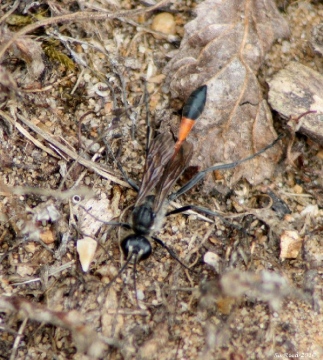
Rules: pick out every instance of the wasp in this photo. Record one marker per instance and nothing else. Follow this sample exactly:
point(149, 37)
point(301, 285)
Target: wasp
point(165, 161)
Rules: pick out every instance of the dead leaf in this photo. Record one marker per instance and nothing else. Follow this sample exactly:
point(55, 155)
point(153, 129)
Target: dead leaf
point(224, 47)
point(28, 50)
point(93, 213)
point(296, 90)
point(6, 80)
point(266, 285)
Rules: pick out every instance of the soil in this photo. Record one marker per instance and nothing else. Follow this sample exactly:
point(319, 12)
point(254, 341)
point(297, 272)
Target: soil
point(251, 301)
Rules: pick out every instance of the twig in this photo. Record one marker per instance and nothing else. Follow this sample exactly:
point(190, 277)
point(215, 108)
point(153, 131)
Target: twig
point(8, 13)
point(51, 272)
point(6, 190)
point(72, 154)
point(49, 86)
point(27, 135)
point(18, 338)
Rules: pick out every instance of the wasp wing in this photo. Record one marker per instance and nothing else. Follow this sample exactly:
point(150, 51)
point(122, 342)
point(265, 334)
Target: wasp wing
point(159, 154)
point(172, 172)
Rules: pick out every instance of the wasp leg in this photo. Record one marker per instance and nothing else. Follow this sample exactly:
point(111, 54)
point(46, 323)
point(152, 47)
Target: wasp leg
point(206, 211)
point(200, 176)
point(170, 252)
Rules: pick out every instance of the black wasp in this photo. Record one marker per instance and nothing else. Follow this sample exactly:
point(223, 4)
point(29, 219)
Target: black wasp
point(165, 162)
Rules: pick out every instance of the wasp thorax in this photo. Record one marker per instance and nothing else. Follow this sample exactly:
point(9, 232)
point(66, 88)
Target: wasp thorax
point(143, 219)
point(136, 245)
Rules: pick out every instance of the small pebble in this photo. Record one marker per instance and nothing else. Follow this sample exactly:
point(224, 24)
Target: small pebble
point(165, 23)
point(212, 259)
point(47, 236)
point(298, 189)
point(140, 295)
point(290, 244)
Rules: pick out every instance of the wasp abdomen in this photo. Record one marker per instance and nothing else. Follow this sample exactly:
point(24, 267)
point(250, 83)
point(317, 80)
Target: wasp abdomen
point(192, 109)
point(194, 105)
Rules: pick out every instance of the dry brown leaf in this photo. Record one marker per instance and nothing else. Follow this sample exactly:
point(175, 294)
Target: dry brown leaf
point(224, 47)
point(7, 82)
point(268, 286)
point(92, 213)
point(265, 285)
point(31, 52)
point(26, 49)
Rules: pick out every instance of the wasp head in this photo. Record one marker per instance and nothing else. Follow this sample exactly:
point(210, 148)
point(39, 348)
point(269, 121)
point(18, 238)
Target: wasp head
point(136, 245)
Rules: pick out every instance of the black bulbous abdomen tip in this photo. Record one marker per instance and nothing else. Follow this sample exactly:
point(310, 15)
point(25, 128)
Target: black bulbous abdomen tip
point(194, 105)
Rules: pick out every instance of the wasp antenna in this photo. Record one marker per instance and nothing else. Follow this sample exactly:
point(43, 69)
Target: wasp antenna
point(192, 109)
point(124, 266)
point(134, 280)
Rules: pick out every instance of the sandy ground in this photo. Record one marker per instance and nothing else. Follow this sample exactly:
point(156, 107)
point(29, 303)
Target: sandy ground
point(251, 304)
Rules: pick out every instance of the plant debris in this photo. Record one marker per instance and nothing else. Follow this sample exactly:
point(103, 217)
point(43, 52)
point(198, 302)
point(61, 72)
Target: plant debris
point(223, 47)
point(255, 291)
